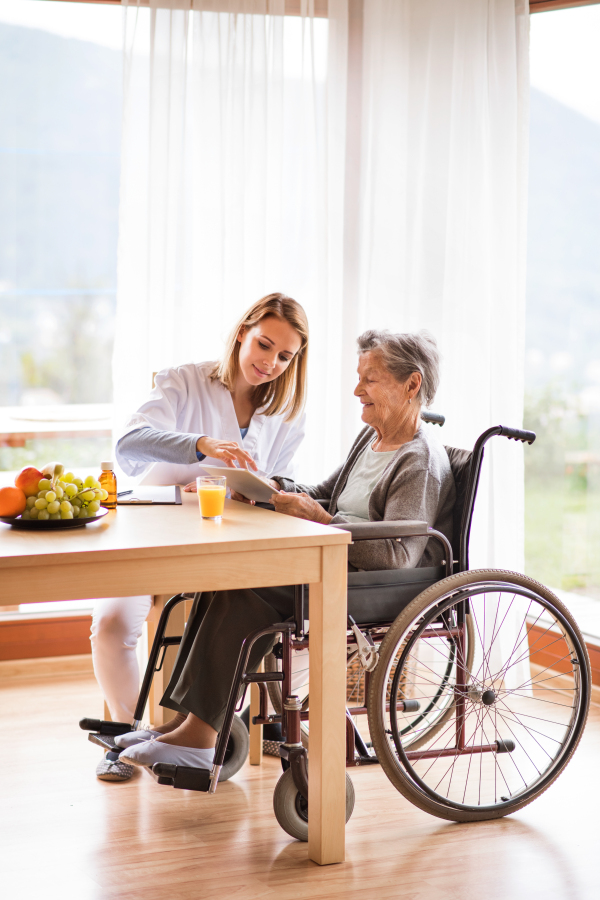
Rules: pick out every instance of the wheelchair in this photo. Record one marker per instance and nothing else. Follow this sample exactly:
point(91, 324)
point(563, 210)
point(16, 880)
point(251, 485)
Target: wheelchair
point(475, 684)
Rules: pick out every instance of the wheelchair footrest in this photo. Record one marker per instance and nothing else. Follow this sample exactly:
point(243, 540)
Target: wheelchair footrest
point(185, 777)
point(106, 741)
point(105, 727)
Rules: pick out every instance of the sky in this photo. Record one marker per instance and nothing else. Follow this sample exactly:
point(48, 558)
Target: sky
point(565, 57)
point(565, 61)
point(101, 23)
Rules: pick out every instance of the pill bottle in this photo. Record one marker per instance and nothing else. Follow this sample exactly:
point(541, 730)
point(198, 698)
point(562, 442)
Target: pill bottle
point(108, 480)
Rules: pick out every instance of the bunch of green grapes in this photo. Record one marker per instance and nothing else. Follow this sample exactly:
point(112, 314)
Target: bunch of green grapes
point(65, 497)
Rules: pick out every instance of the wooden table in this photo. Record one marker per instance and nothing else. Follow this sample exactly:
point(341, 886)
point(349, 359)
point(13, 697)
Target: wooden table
point(170, 549)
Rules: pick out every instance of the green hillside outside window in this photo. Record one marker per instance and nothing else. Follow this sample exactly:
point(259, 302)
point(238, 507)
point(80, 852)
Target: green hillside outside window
point(562, 399)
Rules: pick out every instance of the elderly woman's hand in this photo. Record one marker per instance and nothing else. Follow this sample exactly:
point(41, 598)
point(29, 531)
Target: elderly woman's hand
point(240, 498)
point(301, 506)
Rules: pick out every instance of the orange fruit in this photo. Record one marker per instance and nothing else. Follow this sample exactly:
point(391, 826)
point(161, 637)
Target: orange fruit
point(12, 501)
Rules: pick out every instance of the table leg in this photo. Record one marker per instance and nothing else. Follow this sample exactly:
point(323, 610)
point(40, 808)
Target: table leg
point(327, 770)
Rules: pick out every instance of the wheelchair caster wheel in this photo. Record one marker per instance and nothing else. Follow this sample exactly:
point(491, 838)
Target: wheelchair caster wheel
point(238, 747)
point(291, 809)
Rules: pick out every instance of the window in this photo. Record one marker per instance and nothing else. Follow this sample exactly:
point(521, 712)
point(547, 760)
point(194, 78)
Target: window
point(60, 120)
point(563, 311)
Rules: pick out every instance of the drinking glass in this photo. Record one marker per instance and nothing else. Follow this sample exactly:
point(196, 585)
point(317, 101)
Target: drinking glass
point(211, 494)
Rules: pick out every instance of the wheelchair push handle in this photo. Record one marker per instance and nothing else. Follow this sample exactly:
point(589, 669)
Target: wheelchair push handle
point(518, 434)
point(433, 418)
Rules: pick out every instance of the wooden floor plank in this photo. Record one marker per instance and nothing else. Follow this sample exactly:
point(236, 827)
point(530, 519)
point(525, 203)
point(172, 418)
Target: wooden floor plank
point(64, 834)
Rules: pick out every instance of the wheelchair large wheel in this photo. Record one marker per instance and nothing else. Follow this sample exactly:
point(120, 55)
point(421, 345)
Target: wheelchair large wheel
point(291, 809)
point(519, 707)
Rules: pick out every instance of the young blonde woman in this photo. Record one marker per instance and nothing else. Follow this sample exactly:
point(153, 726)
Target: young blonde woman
point(247, 410)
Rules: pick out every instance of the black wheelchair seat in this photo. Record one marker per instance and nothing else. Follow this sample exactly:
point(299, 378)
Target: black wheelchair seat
point(379, 596)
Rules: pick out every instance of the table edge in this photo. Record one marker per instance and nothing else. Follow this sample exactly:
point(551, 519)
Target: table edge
point(56, 557)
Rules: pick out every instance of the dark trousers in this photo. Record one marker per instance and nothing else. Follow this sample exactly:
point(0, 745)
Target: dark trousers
point(208, 654)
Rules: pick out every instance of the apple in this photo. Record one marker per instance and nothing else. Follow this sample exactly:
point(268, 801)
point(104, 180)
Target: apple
point(28, 479)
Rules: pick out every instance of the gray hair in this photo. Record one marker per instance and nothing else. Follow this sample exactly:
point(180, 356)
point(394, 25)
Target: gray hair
point(403, 354)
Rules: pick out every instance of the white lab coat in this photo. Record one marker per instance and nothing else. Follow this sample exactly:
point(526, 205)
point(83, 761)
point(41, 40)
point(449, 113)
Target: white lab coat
point(186, 400)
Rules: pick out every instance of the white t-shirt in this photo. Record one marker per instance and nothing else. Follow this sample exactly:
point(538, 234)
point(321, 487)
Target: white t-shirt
point(353, 502)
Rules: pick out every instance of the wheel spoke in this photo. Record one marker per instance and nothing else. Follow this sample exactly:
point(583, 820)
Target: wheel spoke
point(541, 699)
point(529, 655)
point(547, 669)
point(508, 662)
point(518, 642)
point(493, 638)
point(531, 731)
point(518, 743)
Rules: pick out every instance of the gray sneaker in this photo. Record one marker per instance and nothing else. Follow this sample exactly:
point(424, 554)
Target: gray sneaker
point(114, 770)
point(271, 748)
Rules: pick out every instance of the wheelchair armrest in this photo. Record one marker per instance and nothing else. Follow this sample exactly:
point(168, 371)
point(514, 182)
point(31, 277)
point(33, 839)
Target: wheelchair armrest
point(370, 531)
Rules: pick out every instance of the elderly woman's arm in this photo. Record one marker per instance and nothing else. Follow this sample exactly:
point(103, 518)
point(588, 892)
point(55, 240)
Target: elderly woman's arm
point(415, 494)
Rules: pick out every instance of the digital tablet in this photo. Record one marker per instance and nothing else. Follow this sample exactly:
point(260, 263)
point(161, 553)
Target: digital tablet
point(244, 482)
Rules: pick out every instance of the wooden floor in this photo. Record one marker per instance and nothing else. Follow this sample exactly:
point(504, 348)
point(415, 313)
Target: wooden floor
point(64, 834)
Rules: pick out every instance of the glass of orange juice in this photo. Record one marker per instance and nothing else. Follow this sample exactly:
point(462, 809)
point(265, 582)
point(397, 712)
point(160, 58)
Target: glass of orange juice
point(211, 494)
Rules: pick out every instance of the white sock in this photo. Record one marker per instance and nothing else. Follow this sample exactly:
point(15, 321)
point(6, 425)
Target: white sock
point(150, 752)
point(135, 737)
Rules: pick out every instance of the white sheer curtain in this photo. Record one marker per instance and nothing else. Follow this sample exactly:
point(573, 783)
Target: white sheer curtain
point(371, 164)
point(442, 216)
point(232, 187)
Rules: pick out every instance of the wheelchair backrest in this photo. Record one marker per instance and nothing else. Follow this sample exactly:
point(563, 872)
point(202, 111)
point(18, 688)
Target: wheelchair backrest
point(461, 464)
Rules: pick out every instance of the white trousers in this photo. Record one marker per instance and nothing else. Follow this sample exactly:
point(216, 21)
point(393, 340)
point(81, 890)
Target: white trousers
point(117, 624)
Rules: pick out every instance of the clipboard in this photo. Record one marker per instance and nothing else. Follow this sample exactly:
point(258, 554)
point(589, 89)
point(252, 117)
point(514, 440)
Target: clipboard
point(152, 495)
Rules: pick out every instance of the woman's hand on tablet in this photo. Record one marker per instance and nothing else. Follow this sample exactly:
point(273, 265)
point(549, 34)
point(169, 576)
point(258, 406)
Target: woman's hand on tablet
point(228, 452)
point(301, 506)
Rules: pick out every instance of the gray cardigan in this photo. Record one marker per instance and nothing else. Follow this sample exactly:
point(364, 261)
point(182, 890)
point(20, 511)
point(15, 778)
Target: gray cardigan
point(417, 484)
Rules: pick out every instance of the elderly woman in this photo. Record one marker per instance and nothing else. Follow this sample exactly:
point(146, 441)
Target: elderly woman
point(395, 470)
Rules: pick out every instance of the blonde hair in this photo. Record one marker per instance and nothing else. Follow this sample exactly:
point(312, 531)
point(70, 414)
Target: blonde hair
point(287, 392)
